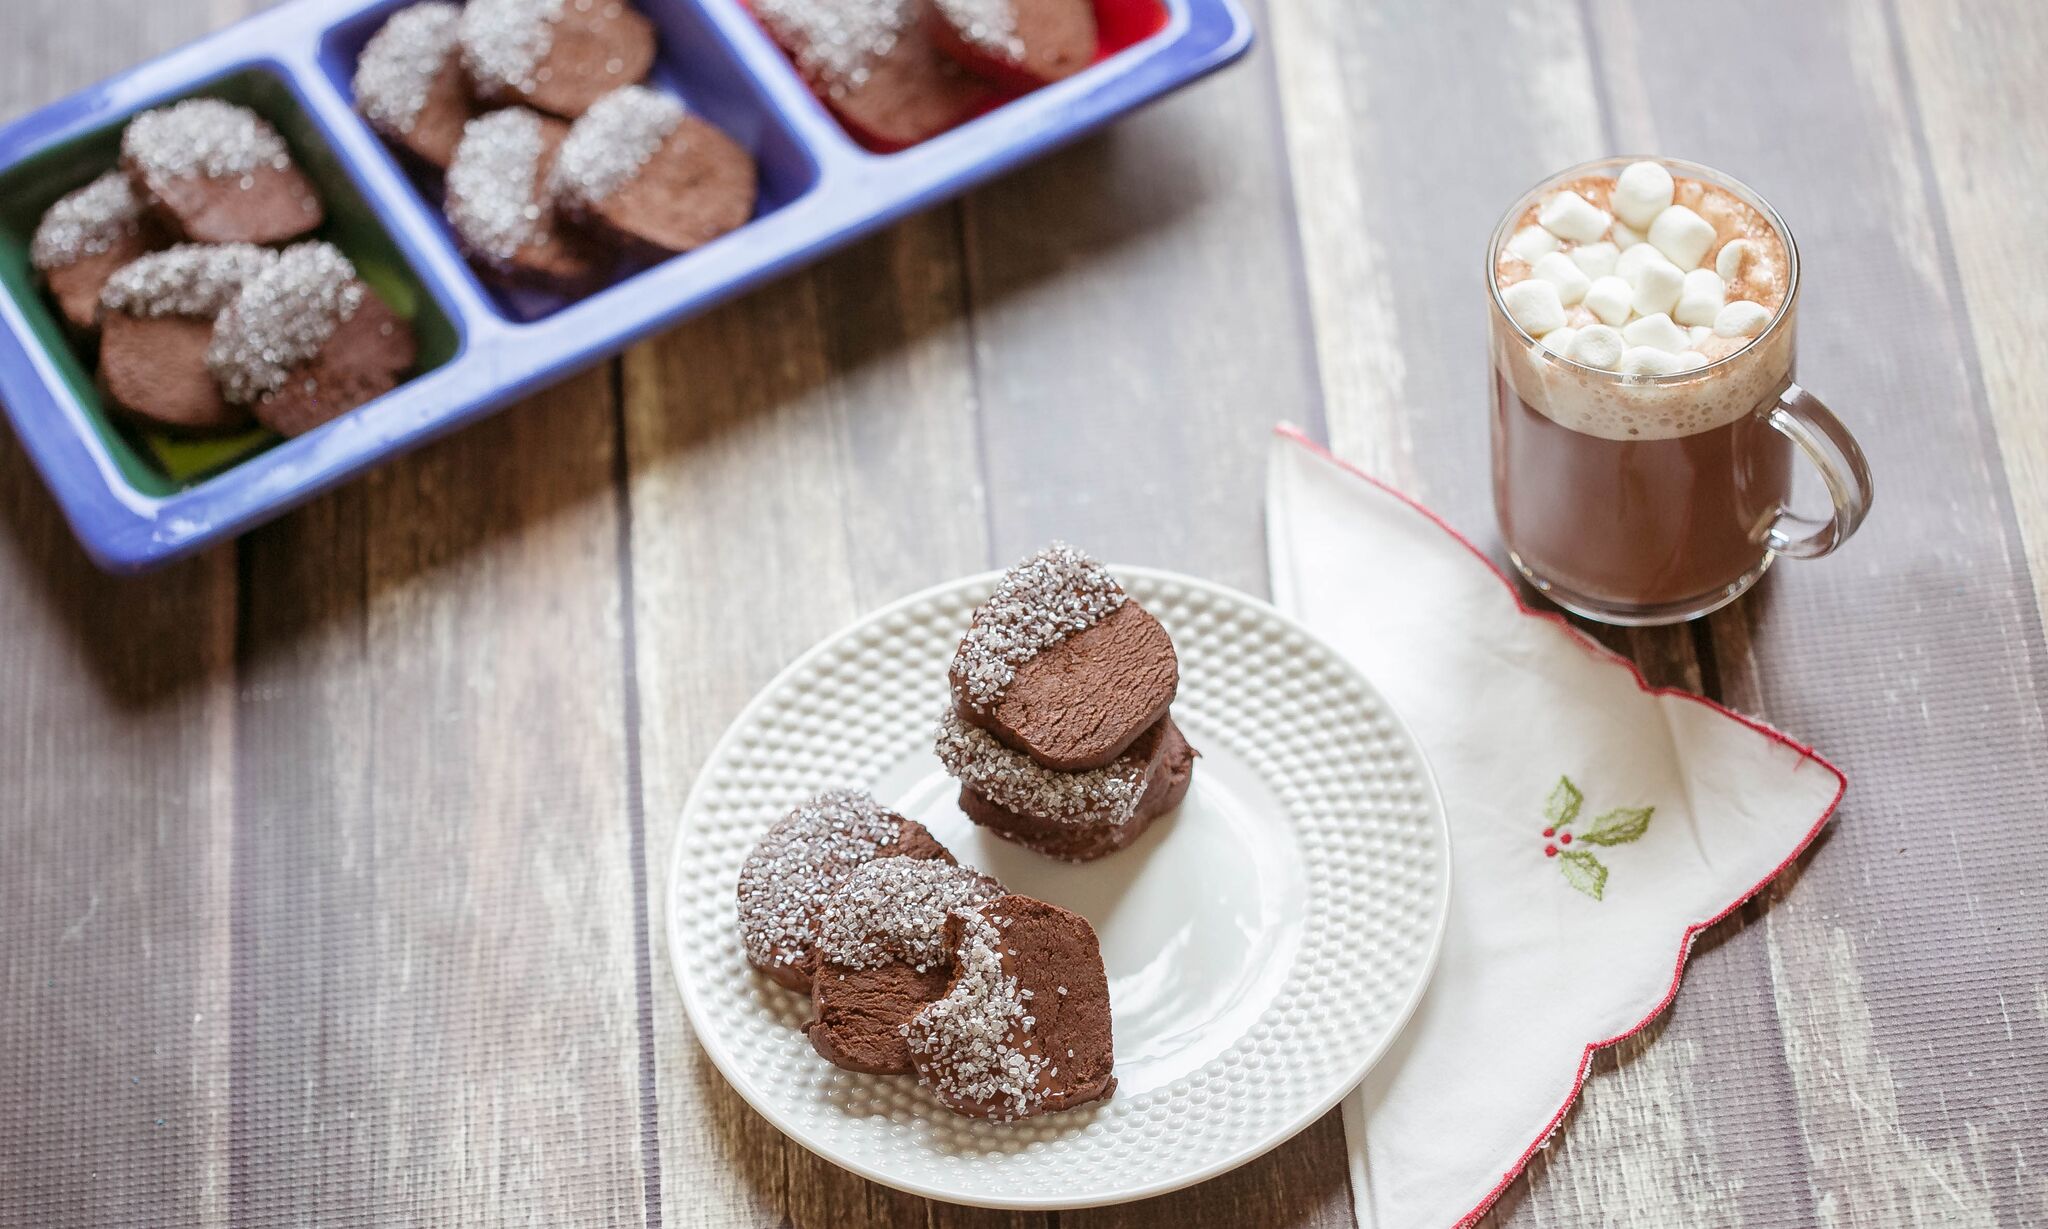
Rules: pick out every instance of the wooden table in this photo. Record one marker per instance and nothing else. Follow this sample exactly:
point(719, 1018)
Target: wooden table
point(330, 861)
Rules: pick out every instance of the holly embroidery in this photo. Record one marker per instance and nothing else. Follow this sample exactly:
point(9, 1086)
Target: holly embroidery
point(1620, 826)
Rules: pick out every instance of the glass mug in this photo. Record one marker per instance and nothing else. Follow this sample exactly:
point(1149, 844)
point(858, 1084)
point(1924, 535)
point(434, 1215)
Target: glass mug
point(1647, 499)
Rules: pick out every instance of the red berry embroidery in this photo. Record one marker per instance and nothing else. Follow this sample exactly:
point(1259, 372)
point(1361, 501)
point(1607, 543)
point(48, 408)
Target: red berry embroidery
point(1620, 826)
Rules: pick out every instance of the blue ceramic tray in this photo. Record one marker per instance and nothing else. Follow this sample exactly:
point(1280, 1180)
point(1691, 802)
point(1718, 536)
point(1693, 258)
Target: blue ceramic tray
point(482, 349)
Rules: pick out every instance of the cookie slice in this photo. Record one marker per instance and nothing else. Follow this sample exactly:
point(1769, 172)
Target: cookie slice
point(1021, 44)
point(1073, 816)
point(641, 169)
point(213, 172)
point(156, 324)
point(306, 341)
point(1023, 1028)
point(498, 203)
point(557, 55)
point(874, 63)
point(1061, 663)
point(409, 82)
point(85, 237)
point(882, 956)
point(800, 861)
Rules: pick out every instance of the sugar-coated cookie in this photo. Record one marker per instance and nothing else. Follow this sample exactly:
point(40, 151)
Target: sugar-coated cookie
point(639, 167)
point(1074, 816)
point(409, 83)
point(556, 55)
point(1021, 44)
point(882, 956)
point(499, 204)
point(1023, 1028)
point(214, 172)
point(873, 62)
point(156, 325)
point(306, 341)
point(1061, 663)
point(85, 237)
point(801, 860)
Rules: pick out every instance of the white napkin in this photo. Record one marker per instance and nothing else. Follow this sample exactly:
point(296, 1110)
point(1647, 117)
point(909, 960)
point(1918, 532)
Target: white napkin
point(1676, 811)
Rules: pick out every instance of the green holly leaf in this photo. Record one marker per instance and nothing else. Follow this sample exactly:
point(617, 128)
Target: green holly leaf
point(1562, 807)
point(1584, 872)
point(1620, 826)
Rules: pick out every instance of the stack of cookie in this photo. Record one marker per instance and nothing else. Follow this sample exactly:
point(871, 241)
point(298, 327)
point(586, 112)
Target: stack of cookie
point(1059, 729)
point(559, 162)
point(202, 328)
point(998, 1003)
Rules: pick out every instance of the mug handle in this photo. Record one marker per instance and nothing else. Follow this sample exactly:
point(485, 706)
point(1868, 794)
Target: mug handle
point(1800, 417)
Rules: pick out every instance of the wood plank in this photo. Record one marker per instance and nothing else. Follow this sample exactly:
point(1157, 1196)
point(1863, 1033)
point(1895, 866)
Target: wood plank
point(1915, 1104)
point(797, 458)
point(437, 1000)
point(1984, 128)
point(1140, 323)
point(116, 750)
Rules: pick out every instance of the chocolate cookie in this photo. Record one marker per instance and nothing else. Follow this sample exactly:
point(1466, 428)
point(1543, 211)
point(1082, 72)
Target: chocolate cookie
point(799, 862)
point(639, 168)
point(882, 956)
point(85, 237)
point(306, 341)
point(409, 82)
point(875, 65)
point(499, 204)
point(156, 325)
point(1023, 1028)
point(214, 172)
point(1074, 816)
point(1021, 44)
point(1060, 663)
point(558, 55)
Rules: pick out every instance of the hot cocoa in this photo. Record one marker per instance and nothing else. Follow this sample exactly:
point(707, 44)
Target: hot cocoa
point(1638, 348)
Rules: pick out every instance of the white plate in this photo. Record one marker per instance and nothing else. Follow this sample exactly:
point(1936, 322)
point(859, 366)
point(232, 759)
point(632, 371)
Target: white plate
point(1264, 943)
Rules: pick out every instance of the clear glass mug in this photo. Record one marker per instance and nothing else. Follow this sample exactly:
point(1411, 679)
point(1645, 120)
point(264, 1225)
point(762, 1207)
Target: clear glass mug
point(1648, 499)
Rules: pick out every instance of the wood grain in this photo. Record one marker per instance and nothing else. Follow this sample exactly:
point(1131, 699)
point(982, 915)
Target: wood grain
point(797, 458)
point(116, 796)
point(437, 1005)
point(1984, 128)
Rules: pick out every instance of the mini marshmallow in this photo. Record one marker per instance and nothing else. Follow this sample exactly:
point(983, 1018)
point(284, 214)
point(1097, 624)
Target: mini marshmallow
point(1631, 261)
point(1532, 242)
point(1596, 259)
point(1641, 193)
point(1700, 298)
point(1558, 341)
point(1571, 216)
point(1562, 272)
point(1648, 361)
point(1741, 318)
point(1734, 254)
point(1597, 346)
point(1696, 336)
point(1625, 236)
point(1682, 235)
point(1691, 359)
point(1656, 284)
point(1608, 298)
point(1534, 305)
point(1656, 331)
